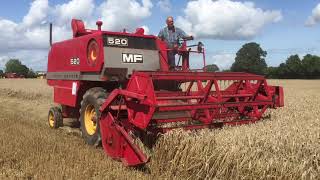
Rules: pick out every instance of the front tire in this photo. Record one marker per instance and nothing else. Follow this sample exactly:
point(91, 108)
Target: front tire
point(55, 119)
point(90, 115)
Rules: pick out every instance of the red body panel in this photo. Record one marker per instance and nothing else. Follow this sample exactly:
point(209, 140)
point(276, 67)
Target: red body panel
point(163, 55)
point(62, 52)
point(66, 92)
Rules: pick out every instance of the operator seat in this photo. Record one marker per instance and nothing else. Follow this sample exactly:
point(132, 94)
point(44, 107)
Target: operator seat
point(78, 28)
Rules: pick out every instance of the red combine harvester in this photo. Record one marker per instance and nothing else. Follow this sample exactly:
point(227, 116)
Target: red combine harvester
point(119, 86)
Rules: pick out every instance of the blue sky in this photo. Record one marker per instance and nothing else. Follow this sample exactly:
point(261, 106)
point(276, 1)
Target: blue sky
point(283, 33)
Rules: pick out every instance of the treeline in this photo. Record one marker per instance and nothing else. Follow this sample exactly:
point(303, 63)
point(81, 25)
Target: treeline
point(251, 58)
point(296, 68)
point(21, 70)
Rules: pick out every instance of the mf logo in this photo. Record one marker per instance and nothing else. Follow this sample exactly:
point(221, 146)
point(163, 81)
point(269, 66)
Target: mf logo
point(132, 58)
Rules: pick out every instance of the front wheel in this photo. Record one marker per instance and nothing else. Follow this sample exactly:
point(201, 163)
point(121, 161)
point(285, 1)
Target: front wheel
point(55, 119)
point(90, 115)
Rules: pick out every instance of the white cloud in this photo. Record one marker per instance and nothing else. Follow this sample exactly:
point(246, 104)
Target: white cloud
point(36, 59)
point(165, 5)
point(33, 31)
point(223, 60)
point(37, 13)
point(315, 17)
point(28, 40)
point(79, 9)
point(146, 29)
point(124, 14)
point(3, 60)
point(17, 36)
point(6, 29)
point(225, 19)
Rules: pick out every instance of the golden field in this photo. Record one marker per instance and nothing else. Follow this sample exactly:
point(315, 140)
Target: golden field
point(285, 145)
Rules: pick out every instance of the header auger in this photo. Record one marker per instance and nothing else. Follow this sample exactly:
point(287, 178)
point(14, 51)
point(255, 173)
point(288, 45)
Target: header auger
point(120, 88)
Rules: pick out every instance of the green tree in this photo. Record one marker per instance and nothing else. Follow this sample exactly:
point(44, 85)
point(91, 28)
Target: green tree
point(250, 58)
point(212, 68)
point(1, 73)
point(15, 66)
point(272, 72)
point(311, 66)
point(282, 71)
point(31, 74)
point(294, 67)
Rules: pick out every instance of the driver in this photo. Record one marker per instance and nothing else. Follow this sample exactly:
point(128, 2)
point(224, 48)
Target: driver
point(171, 35)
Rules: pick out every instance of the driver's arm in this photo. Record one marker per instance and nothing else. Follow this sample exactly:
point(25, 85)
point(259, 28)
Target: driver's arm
point(183, 35)
point(188, 38)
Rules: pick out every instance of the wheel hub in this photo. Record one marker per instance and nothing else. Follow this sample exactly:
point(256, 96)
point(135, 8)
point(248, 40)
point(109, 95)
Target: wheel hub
point(90, 119)
point(51, 119)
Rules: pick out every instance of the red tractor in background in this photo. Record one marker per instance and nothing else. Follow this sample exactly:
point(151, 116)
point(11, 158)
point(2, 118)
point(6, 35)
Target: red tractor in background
point(118, 85)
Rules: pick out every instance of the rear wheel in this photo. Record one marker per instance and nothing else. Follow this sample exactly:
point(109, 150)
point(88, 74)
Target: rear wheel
point(90, 115)
point(55, 119)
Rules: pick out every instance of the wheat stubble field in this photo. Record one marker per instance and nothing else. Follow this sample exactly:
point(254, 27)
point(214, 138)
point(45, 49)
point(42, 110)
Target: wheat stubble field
point(284, 146)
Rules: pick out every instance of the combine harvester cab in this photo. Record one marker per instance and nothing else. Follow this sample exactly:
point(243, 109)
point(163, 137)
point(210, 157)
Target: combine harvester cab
point(120, 88)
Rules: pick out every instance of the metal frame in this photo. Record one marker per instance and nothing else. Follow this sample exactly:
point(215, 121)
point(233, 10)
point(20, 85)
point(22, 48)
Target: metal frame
point(208, 105)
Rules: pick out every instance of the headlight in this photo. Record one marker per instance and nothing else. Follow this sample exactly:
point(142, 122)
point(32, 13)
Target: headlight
point(92, 52)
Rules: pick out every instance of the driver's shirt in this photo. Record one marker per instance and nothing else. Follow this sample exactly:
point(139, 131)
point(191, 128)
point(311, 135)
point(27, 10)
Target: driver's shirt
point(171, 36)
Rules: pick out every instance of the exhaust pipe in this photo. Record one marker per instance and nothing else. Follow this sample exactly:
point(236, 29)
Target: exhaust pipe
point(50, 38)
